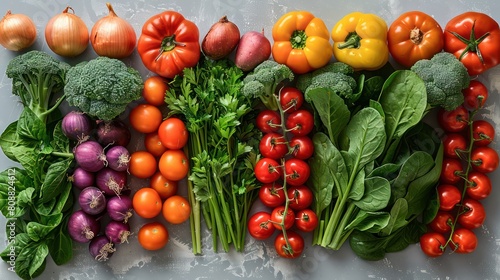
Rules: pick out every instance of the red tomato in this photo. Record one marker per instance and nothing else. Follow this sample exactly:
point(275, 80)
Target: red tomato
point(300, 197)
point(147, 203)
point(479, 186)
point(473, 214)
point(306, 220)
point(173, 133)
point(302, 147)
point(153, 144)
point(277, 216)
point(300, 122)
point(454, 120)
point(484, 159)
point(442, 222)
point(454, 144)
point(176, 209)
point(165, 188)
point(451, 171)
point(464, 241)
point(448, 196)
point(475, 95)
point(272, 195)
point(260, 226)
point(483, 132)
point(153, 236)
point(296, 245)
point(432, 244)
point(273, 145)
point(267, 170)
point(142, 164)
point(291, 99)
point(174, 165)
point(268, 121)
point(297, 172)
point(154, 90)
point(145, 118)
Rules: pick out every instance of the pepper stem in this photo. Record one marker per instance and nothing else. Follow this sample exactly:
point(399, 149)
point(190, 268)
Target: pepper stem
point(352, 41)
point(298, 39)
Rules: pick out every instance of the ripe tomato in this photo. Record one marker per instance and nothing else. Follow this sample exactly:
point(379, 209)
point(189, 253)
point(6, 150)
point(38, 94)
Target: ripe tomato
point(153, 144)
point(302, 147)
point(300, 122)
point(484, 159)
point(267, 170)
point(463, 241)
point(473, 214)
point(297, 172)
point(165, 187)
point(483, 132)
point(291, 99)
point(475, 95)
point(147, 203)
point(260, 226)
point(176, 209)
point(145, 118)
point(174, 165)
point(173, 133)
point(277, 216)
point(268, 121)
point(454, 120)
point(296, 245)
point(448, 196)
point(451, 171)
point(154, 90)
point(273, 145)
point(306, 220)
point(272, 195)
point(432, 244)
point(454, 144)
point(142, 164)
point(442, 222)
point(479, 186)
point(153, 236)
point(300, 197)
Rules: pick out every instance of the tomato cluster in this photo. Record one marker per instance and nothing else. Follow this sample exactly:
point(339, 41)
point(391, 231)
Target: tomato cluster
point(464, 180)
point(283, 172)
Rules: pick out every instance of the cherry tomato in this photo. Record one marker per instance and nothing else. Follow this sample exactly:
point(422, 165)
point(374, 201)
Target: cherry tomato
point(145, 118)
point(154, 90)
point(147, 203)
point(296, 245)
point(483, 133)
point(260, 226)
point(432, 244)
point(473, 214)
point(142, 164)
point(272, 195)
point(273, 145)
point(479, 186)
point(297, 172)
point(165, 187)
point(173, 133)
point(153, 144)
point(475, 95)
point(277, 216)
point(449, 196)
point(442, 222)
point(176, 209)
point(291, 99)
point(267, 170)
point(268, 121)
point(451, 171)
point(464, 241)
point(454, 120)
point(306, 220)
point(174, 165)
point(300, 122)
point(302, 147)
point(454, 144)
point(300, 197)
point(484, 159)
point(153, 236)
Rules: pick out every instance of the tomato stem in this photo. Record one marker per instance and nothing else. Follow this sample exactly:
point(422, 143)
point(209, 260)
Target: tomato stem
point(472, 43)
point(167, 44)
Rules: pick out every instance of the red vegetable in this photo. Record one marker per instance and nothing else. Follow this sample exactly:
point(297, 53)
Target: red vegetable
point(82, 227)
point(101, 248)
point(221, 39)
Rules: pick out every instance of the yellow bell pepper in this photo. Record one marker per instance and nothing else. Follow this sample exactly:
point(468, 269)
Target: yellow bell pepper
point(301, 41)
point(360, 40)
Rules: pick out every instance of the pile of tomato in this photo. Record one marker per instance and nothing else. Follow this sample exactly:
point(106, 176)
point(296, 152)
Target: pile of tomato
point(464, 181)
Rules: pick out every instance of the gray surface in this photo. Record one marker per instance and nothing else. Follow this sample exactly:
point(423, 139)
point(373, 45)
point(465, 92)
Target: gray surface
point(259, 261)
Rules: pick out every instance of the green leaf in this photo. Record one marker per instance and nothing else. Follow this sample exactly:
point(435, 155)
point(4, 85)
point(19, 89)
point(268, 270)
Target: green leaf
point(61, 247)
point(399, 211)
point(30, 126)
point(8, 139)
point(367, 246)
point(358, 187)
point(376, 196)
point(369, 221)
point(38, 231)
point(55, 180)
point(46, 208)
point(63, 199)
point(12, 181)
point(60, 142)
point(27, 156)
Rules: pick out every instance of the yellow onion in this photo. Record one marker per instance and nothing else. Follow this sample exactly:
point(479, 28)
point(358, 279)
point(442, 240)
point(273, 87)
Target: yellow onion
point(17, 31)
point(66, 34)
point(113, 36)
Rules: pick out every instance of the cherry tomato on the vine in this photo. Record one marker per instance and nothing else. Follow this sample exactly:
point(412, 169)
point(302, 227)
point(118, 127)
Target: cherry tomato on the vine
point(260, 226)
point(454, 120)
point(273, 145)
point(448, 196)
point(278, 214)
point(153, 236)
point(442, 222)
point(267, 170)
point(432, 244)
point(479, 186)
point(451, 171)
point(268, 121)
point(300, 122)
point(475, 95)
point(272, 195)
point(473, 214)
point(484, 159)
point(464, 241)
point(296, 244)
point(291, 99)
point(306, 220)
point(302, 147)
point(297, 172)
point(483, 132)
point(173, 133)
point(301, 197)
point(454, 144)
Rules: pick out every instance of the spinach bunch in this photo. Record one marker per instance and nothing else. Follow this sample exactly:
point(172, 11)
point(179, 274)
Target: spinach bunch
point(373, 172)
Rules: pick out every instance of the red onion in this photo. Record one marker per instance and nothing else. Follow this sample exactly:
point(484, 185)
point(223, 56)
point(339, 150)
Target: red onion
point(119, 208)
point(101, 248)
point(118, 158)
point(117, 232)
point(82, 227)
point(110, 181)
point(76, 126)
point(221, 39)
point(90, 156)
point(113, 132)
point(92, 200)
point(82, 178)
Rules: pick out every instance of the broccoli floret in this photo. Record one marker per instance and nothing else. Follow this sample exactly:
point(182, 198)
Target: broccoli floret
point(445, 77)
point(303, 81)
point(36, 76)
point(263, 81)
point(102, 87)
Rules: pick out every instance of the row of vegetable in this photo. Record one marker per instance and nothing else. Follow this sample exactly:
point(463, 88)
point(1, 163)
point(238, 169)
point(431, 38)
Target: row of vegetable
point(329, 139)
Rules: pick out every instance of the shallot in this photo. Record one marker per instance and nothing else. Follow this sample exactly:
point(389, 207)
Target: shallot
point(119, 208)
point(92, 201)
point(101, 248)
point(90, 156)
point(117, 232)
point(110, 181)
point(82, 227)
point(118, 158)
point(221, 39)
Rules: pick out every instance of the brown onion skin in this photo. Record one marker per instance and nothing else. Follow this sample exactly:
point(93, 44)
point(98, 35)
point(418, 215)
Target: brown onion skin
point(66, 34)
point(221, 39)
point(17, 31)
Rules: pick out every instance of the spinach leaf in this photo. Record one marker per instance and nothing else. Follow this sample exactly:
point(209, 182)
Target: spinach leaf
point(59, 141)
point(399, 212)
point(376, 195)
point(38, 231)
point(368, 246)
point(30, 126)
point(55, 180)
point(31, 260)
point(8, 139)
point(358, 187)
point(61, 246)
point(369, 221)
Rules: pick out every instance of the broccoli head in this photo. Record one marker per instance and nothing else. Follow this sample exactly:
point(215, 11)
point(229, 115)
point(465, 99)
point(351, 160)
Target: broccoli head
point(102, 87)
point(263, 81)
point(445, 77)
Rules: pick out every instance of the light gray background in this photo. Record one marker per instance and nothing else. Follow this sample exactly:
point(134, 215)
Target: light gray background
point(259, 261)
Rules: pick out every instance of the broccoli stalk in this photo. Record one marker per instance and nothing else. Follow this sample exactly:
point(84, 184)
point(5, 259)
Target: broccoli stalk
point(263, 81)
point(36, 76)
